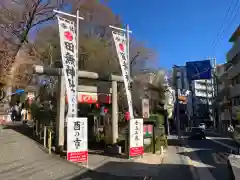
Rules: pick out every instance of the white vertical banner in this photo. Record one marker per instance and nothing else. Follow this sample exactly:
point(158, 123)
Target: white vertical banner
point(68, 43)
point(77, 139)
point(121, 47)
point(136, 137)
point(145, 108)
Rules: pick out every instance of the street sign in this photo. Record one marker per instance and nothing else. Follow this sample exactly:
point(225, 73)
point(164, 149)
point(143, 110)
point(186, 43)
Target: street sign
point(197, 70)
point(145, 108)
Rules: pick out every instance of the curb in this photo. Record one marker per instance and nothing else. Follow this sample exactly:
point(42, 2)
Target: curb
point(225, 145)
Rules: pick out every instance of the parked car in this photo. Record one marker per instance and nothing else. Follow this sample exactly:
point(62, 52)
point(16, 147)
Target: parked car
point(202, 125)
point(197, 133)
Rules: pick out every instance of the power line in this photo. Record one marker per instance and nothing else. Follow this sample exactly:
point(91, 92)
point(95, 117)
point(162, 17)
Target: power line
point(237, 8)
point(234, 16)
point(224, 21)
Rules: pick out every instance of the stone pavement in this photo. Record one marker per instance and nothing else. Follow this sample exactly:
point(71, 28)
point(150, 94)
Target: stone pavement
point(23, 159)
point(175, 166)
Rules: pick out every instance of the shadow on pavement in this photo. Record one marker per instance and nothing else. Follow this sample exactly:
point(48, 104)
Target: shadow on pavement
point(21, 128)
point(215, 162)
point(174, 142)
point(136, 171)
point(104, 153)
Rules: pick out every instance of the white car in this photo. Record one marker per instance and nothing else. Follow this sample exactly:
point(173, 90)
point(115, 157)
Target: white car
point(202, 125)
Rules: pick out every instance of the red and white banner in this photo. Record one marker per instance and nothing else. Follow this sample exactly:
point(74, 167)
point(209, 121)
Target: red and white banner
point(136, 137)
point(121, 47)
point(68, 45)
point(77, 139)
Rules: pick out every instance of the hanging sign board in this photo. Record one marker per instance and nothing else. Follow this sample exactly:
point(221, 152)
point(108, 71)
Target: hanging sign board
point(121, 47)
point(68, 45)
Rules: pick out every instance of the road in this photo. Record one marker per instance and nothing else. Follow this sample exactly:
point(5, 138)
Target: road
point(213, 153)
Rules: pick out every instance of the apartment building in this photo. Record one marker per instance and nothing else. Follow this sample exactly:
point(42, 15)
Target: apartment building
point(233, 75)
point(203, 91)
point(221, 104)
point(182, 81)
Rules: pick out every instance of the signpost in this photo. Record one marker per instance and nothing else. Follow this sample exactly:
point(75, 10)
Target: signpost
point(136, 138)
point(77, 146)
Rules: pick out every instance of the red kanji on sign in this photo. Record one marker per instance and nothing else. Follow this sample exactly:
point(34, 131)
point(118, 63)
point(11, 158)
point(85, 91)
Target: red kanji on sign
point(121, 47)
point(68, 35)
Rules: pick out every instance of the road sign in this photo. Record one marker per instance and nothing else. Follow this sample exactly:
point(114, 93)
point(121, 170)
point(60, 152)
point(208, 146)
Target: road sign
point(199, 70)
point(145, 108)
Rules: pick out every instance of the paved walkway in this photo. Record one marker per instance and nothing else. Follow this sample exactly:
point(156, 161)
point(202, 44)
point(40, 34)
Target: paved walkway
point(175, 165)
point(21, 159)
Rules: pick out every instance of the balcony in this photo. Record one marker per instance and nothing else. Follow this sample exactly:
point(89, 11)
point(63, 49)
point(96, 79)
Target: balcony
point(235, 90)
point(235, 110)
point(234, 71)
point(233, 51)
point(221, 94)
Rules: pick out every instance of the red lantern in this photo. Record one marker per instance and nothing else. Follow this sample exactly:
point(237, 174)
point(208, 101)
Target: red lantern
point(127, 116)
point(105, 110)
point(97, 105)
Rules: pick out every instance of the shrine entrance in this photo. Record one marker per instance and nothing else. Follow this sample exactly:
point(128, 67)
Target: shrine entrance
point(95, 104)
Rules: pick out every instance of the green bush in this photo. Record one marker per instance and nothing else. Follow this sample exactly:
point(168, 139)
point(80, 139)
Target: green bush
point(159, 141)
point(236, 134)
point(158, 118)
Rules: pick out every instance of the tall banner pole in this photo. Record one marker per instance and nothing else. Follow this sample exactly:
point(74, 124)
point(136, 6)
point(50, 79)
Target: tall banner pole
point(77, 130)
point(77, 54)
point(135, 125)
point(128, 52)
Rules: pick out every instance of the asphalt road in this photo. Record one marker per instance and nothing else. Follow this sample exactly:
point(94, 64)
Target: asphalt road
point(213, 155)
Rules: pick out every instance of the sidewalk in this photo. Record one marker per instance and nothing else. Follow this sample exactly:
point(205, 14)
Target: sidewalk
point(175, 165)
point(21, 159)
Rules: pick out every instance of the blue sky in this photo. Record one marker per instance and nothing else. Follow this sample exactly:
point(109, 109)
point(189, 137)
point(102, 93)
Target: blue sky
point(179, 30)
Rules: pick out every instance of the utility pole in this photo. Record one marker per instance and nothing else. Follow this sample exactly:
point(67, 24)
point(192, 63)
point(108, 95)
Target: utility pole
point(215, 88)
point(175, 77)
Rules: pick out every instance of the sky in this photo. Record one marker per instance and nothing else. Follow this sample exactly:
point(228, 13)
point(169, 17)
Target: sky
point(181, 30)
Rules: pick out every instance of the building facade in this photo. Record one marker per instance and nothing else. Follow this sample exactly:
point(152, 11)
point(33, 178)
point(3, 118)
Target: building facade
point(203, 91)
point(228, 96)
point(233, 73)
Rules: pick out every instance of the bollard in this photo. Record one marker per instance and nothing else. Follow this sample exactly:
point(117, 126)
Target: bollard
point(36, 130)
point(161, 150)
point(49, 141)
point(40, 134)
point(45, 136)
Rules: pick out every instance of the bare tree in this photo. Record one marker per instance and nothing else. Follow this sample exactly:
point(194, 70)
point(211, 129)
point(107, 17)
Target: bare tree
point(17, 19)
point(97, 49)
